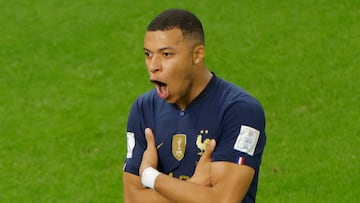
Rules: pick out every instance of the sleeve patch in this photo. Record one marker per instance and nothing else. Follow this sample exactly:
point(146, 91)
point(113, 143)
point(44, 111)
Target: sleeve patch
point(130, 144)
point(247, 140)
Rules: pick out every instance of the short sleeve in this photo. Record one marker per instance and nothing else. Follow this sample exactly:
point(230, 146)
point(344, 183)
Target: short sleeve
point(242, 136)
point(136, 142)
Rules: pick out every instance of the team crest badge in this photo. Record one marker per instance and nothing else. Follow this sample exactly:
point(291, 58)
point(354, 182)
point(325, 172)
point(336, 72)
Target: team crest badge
point(200, 143)
point(179, 146)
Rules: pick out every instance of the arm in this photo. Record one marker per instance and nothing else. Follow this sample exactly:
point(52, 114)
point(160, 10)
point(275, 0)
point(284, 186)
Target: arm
point(133, 189)
point(135, 192)
point(228, 182)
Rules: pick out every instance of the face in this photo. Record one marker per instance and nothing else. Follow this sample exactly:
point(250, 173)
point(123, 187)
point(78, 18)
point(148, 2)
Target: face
point(169, 60)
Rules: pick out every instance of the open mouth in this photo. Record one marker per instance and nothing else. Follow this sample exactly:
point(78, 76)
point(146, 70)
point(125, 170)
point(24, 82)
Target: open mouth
point(162, 88)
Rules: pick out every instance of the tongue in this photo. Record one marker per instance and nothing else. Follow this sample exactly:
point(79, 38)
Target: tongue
point(162, 91)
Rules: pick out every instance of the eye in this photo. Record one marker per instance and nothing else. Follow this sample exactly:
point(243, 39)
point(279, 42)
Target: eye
point(147, 54)
point(167, 54)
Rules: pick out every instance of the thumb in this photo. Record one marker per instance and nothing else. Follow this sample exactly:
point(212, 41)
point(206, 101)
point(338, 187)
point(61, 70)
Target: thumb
point(149, 137)
point(209, 149)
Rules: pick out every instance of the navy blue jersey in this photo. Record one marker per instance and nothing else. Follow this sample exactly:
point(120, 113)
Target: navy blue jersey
point(222, 111)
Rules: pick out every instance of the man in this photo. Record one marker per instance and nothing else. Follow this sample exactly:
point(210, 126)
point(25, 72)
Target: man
point(195, 137)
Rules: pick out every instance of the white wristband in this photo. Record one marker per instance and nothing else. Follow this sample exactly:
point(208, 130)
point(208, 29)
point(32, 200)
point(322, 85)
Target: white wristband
point(149, 176)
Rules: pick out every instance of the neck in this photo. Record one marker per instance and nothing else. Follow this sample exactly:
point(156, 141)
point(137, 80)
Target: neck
point(199, 84)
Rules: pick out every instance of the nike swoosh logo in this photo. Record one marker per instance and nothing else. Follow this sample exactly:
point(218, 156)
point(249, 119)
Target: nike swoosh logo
point(159, 145)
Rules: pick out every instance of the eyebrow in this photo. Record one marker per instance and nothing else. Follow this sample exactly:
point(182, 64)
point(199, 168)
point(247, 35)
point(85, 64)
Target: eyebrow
point(161, 49)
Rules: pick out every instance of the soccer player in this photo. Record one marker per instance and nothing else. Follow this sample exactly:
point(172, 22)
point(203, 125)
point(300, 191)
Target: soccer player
point(195, 137)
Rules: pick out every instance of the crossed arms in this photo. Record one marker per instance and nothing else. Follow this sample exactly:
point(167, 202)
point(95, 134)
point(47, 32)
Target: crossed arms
point(211, 182)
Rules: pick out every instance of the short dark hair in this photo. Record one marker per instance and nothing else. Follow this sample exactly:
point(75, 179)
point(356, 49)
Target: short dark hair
point(186, 21)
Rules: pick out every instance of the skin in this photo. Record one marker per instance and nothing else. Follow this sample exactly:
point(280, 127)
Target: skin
point(179, 63)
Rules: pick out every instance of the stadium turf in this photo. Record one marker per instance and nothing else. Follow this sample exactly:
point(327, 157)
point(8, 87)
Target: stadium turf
point(70, 70)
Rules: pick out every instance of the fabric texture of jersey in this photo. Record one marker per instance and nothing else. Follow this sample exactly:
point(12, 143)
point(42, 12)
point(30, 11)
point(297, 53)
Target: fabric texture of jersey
point(222, 112)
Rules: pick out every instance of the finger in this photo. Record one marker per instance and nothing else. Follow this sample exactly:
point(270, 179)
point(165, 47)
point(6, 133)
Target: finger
point(149, 137)
point(210, 149)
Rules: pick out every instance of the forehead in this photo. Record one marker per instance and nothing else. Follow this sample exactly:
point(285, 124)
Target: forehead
point(155, 40)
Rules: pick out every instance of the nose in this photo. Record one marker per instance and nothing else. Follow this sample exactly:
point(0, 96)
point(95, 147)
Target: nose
point(155, 64)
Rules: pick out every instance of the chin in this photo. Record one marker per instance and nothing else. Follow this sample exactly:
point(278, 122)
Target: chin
point(170, 100)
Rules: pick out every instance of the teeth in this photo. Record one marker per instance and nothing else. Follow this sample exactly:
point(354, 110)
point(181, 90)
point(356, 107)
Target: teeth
point(158, 83)
point(163, 88)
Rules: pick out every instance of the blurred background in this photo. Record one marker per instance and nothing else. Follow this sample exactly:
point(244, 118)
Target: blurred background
point(70, 71)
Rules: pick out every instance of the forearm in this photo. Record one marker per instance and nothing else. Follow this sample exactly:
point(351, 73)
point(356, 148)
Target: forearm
point(184, 191)
point(145, 195)
point(134, 191)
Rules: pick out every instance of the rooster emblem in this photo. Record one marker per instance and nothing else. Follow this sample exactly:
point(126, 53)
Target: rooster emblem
point(200, 143)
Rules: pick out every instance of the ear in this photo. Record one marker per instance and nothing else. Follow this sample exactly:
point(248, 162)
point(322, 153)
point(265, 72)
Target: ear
point(198, 54)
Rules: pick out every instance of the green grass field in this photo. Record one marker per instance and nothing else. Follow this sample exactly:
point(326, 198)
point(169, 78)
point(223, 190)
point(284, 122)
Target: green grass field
point(70, 70)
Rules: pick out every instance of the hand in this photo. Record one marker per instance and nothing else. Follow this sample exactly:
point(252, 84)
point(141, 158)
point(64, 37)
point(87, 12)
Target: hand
point(150, 156)
point(202, 174)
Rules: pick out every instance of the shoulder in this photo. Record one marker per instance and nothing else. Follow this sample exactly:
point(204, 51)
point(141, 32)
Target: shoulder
point(146, 97)
point(147, 100)
point(149, 105)
point(238, 106)
point(233, 96)
point(143, 104)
